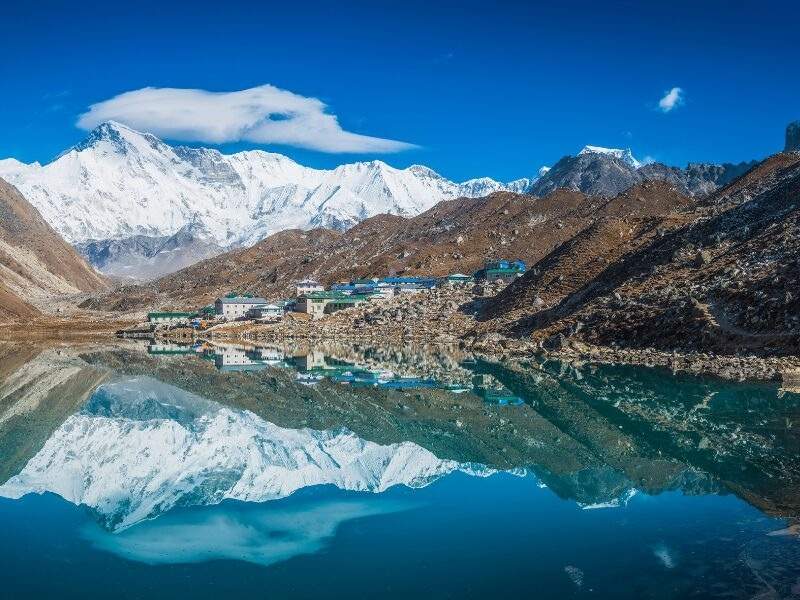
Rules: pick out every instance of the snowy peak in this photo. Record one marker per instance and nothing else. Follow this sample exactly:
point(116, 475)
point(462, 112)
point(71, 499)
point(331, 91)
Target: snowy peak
point(624, 155)
point(119, 183)
point(423, 171)
point(117, 138)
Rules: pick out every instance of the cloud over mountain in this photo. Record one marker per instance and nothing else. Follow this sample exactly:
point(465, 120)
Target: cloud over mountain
point(263, 115)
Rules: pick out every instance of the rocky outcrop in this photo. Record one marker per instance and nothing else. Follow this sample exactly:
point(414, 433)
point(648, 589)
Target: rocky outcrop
point(793, 137)
point(592, 173)
point(607, 175)
point(697, 179)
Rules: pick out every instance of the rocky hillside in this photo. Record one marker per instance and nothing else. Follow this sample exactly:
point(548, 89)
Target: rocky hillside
point(722, 277)
point(454, 236)
point(36, 265)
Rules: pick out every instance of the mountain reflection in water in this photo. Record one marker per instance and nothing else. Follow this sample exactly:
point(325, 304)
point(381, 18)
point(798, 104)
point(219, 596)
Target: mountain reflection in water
point(140, 447)
point(189, 454)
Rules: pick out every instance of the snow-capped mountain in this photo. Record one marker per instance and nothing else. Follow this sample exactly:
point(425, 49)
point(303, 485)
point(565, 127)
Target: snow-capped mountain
point(119, 183)
point(625, 155)
point(141, 447)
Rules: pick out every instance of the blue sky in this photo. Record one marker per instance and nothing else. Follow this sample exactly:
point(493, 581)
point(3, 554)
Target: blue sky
point(479, 88)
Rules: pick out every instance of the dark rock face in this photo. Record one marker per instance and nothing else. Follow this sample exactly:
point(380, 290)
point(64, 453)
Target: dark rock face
point(102, 252)
point(603, 175)
point(792, 137)
point(593, 174)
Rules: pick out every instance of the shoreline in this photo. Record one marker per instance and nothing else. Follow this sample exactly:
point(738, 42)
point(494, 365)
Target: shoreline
point(782, 370)
point(437, 320)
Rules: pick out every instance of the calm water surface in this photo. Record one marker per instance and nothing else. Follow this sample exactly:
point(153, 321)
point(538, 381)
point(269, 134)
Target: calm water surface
point(356, 472)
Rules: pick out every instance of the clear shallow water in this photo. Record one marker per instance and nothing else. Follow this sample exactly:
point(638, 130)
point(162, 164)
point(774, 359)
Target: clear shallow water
point(358, 472)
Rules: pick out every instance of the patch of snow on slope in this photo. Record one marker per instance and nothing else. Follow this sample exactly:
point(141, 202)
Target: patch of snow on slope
point(625, 155)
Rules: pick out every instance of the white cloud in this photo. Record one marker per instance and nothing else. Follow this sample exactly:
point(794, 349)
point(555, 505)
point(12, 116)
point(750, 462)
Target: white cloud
point(671, 99)
point(262, 115)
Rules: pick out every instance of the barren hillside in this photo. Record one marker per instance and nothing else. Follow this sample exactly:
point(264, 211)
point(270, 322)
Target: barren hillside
point(722, 278)
point(36, 264)
point(454, 236)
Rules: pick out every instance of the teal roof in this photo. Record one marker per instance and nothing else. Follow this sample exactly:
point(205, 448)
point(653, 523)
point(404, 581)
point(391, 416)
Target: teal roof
point(348, 300)
point(490, 272)
point(170, 315)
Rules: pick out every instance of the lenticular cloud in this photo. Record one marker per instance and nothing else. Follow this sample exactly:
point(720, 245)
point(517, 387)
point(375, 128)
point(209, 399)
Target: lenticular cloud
point(263, 115)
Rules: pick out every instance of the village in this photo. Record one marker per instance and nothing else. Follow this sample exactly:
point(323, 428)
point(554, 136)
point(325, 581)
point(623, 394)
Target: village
point(313, 301)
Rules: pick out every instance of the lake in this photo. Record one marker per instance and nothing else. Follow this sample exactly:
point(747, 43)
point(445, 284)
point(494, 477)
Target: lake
point(164, 471)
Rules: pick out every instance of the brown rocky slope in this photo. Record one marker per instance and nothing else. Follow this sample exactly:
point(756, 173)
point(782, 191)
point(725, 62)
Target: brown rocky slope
point(36, 264)
point(454, 236)
point(725, 280)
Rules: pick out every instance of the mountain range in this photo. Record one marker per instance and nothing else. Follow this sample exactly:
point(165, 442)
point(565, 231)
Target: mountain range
point(453, 236)
point(138, 208)
point(119, 186)
point(650, 267)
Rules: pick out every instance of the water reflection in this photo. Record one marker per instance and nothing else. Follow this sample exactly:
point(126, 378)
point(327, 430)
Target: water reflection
point(185, 454)
point(252, 532)
point(344, 365)
point(140, 447)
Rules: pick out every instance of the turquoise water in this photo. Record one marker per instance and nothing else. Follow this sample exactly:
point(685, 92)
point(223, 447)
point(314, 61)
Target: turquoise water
point(375, 472)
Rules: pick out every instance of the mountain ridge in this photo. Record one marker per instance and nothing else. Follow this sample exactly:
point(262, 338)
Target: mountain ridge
point(118, 183)
point(453, 236)
point(120, 193)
